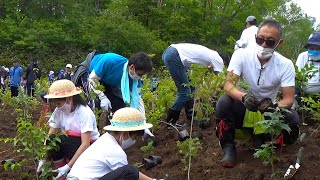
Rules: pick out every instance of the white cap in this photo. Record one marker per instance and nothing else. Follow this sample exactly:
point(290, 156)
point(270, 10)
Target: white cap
point(7, 69)
point(68, 66)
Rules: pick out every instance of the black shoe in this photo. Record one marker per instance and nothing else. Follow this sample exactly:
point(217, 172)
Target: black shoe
point(229, 157)
point(172, 116)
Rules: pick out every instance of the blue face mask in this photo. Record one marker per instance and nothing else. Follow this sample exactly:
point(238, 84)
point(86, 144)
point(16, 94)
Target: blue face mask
point(314, 54)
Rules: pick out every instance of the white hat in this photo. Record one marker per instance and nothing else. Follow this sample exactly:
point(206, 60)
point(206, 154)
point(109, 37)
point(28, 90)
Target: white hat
point(127, 119)
point(251, 18)
point(7, 69)
point(61, 89)
point(68, 66)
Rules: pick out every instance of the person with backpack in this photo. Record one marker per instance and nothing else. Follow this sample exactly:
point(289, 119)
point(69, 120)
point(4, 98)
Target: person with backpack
point(33, 72)
point(121, 78)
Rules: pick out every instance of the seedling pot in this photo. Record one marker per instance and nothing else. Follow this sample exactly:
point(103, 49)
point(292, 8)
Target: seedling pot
point(197, 134)
point(7, 160)
point(156, 159)
point(204, 124)
point(147, 138)
point(148, 163)
point(183, 135)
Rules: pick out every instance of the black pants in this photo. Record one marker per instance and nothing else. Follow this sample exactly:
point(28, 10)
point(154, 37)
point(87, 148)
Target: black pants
point(14, 91)
point(126, 172)
point(232, 112)
point(67, 148)
point(30, 89)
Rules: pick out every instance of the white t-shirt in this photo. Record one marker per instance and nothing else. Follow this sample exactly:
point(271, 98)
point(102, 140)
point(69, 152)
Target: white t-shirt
point(79, 121)
point(313, 84)
point(197, 54)
point(102, 157)
point(247, 39)
point(277, 72)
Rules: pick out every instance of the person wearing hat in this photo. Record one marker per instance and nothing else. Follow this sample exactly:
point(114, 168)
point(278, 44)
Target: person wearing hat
point(68, 72)
point(121, 78)
point(73, 118)
point(266, 72)
point(106, 159)
point(311, 57)
point(247, 38)
point(33, 72)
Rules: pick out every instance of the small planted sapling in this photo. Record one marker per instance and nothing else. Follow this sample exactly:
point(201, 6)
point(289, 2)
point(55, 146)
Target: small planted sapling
point(147, 148)
point(302, 77)
point(189, 149)
point(273, 125)
point(208, 87)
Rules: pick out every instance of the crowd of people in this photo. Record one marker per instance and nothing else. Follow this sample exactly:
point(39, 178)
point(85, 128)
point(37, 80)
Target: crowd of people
point(17, 77)
point(83, 153)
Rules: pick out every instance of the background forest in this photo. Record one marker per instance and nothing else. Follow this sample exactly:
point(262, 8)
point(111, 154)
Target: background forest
point(60, 31)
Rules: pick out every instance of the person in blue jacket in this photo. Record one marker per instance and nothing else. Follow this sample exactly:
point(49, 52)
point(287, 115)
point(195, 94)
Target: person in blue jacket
point(15, 73)
point(121, 78)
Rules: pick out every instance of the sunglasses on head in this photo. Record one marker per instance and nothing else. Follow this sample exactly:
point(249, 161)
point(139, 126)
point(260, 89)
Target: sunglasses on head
point(269, 42)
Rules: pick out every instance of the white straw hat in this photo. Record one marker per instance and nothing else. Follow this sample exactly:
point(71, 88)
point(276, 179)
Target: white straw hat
point(62, 88)
point(127, 119)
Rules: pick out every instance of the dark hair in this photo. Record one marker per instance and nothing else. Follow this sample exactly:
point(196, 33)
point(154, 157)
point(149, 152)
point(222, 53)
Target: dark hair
point(254, 22)
point(272, 23)
point(225, 57)
point(77, 100)
point(141, 62)
point(35, 60)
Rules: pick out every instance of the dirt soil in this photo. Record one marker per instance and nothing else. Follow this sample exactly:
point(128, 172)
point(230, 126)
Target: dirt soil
point(206, 165)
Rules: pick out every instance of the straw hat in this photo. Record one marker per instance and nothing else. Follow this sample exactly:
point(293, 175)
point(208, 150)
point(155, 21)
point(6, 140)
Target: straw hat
point(62, 88)
point(127, 119)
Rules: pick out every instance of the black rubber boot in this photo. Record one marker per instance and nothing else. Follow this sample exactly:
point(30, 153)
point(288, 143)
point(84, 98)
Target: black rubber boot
point(188, 108)
point(229, 157)
point(226, 132)
point(172, 116)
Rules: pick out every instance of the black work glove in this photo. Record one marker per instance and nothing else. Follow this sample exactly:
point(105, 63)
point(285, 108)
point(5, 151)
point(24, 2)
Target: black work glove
point(250, 102)
point(266, 105)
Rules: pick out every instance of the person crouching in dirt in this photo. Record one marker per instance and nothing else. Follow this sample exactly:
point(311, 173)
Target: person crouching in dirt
point(106, 159)
point(121, 79)
point(178, 58)
point(75, 120)
point(265, 71)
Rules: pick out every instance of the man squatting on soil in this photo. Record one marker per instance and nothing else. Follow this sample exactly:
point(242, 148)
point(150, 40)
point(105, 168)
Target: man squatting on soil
point(265, 71)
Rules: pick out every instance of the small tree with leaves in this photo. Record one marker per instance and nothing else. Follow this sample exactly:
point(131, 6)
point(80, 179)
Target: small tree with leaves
point(273, 125)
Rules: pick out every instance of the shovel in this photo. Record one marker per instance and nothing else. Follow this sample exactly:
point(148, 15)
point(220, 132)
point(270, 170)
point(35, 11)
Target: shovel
point(294, 168)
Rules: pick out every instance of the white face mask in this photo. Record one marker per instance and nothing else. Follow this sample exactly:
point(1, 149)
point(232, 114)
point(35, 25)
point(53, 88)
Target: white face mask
point(264, 53)
point(65, 108)
point(134, 76)
point(126, 143)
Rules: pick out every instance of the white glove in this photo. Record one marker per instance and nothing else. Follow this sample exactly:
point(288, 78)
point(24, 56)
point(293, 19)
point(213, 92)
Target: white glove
point(40, 166)
point(105, 103)
point(62, 171)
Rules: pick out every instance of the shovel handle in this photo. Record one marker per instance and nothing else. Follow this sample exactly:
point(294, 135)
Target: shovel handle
point(299, 156)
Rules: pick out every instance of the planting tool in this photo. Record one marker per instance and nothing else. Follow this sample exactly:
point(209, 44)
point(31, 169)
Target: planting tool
point(294, 168)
